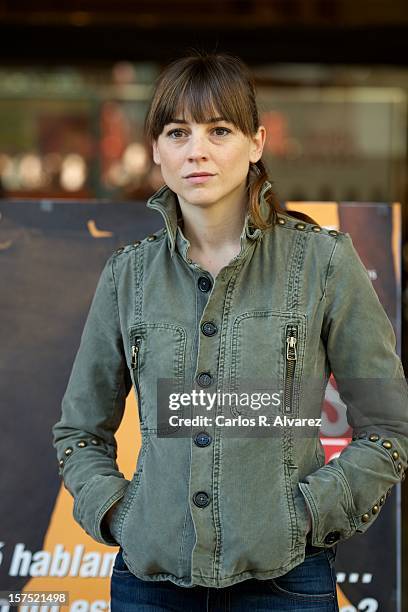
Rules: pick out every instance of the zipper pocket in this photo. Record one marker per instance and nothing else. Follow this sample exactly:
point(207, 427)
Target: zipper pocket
point(291, 358)
point(135, 366)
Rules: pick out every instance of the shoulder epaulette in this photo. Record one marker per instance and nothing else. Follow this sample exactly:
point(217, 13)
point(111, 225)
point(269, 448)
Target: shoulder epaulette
point(304, 226)
point(136, 243)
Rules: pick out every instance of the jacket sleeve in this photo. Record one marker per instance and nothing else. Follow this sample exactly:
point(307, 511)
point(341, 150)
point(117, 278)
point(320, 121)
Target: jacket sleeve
point(346, 495)
point(92, 410)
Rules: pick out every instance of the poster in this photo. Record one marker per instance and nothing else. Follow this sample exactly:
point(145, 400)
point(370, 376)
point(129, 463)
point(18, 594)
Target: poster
point(52, 253)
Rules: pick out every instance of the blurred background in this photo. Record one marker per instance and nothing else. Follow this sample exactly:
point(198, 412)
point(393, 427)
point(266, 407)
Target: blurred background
point(332, 82)
point(75, 80)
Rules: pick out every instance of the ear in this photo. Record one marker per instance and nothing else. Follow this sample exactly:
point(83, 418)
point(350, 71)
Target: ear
point(156, 154)
point(257, 145)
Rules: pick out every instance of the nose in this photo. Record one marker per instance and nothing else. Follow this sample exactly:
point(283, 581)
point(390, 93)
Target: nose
point(197, 147)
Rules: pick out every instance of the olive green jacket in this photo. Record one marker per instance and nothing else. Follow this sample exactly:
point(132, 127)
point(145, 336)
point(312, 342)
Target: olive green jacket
point(209, 507)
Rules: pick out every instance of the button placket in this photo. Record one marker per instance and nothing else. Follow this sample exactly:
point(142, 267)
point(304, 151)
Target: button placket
point(204, 442)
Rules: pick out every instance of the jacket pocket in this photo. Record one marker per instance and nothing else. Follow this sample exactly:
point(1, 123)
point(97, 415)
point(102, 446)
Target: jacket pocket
point(274, 367)
point(157, 364)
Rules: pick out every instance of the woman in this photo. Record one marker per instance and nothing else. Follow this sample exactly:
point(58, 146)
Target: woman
point(228, 510)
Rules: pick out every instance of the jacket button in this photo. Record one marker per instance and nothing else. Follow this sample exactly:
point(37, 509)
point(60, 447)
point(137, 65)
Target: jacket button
point(387, 444)
point(119, 250)
point(82, 443)
point(204, 379)
point(61, 462)
point(365, 518)
point(333, 233)
point(395, 455)
point(399, 467)
point(300, 226)
point(332, 537)
point(316, 228)
point(375, 509)
point(204, 283)
point(209, 329)
point(68, 450)
point(382, 500)
point(95, 442)
point(136, 243)
point(151, 238)
point(201, 499)
point(281, 220)
point(202, 439)
point(374, 437)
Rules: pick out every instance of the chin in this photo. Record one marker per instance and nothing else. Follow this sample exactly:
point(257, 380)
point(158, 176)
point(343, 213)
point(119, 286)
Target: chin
point(198, 195)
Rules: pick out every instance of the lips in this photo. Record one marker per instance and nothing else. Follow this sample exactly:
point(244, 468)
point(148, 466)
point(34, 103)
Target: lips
point(199, 178)
point(199, 174)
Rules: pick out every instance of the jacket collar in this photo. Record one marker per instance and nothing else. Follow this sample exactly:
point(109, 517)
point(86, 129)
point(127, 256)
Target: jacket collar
point(166, 202)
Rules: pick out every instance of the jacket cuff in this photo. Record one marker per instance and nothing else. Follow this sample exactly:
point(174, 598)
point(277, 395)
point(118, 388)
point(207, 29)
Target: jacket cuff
point(332, 511)
point(331, 505)
point(93, 502)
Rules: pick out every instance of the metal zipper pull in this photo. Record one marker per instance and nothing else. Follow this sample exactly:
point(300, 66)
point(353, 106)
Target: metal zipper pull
point(135, 353)
point(291, 354)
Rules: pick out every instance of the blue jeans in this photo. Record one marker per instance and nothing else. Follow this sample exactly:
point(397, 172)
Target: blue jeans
point(310, 586)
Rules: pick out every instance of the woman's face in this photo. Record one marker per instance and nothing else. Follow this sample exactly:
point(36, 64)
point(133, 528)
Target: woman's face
point(216, 147)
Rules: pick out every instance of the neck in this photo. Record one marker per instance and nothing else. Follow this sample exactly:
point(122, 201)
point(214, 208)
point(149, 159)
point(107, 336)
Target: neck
point(217, 226)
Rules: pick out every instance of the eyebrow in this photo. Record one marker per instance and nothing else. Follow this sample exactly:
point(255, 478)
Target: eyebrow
point(210, 120)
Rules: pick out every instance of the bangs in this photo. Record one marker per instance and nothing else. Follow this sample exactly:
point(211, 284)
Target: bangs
point(200, 92)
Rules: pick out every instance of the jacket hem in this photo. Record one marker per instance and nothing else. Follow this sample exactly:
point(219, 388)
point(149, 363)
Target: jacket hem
point(208, 581)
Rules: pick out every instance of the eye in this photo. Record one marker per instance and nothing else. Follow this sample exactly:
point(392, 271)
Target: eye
point(223, 129)
point(175, 133)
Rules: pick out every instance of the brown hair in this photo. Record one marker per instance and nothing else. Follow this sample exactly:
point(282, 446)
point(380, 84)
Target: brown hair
point(205, 84)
